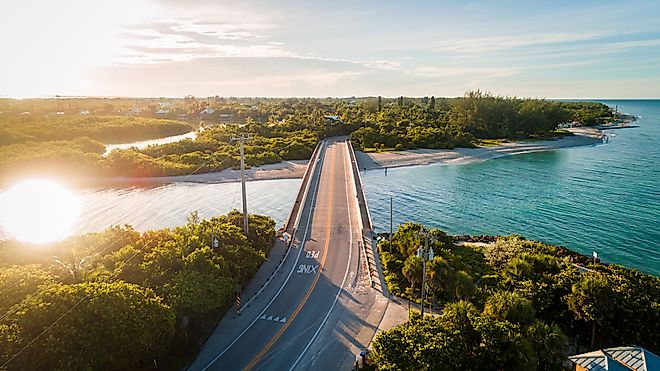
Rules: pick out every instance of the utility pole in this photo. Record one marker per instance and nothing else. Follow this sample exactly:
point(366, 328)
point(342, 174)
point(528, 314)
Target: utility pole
point(426, 254)
point(242, 139)
point(390, 223)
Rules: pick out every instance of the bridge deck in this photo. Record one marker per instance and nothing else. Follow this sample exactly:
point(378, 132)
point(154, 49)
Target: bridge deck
point(312, 313)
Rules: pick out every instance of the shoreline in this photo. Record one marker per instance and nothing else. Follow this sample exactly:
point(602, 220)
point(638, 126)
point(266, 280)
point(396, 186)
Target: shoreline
point(583, 136)
point(282, 170)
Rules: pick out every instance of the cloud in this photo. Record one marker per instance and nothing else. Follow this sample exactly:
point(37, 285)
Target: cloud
point(488, 44)
point(182, 40)
point(232, 76)
point(185, 40)
point(224, 31)
point(483, 72)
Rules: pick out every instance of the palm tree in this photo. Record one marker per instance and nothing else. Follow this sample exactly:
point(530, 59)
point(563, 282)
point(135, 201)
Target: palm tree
point(591, 299)
point(412, 270)
point(72, 264)
point(549, 343)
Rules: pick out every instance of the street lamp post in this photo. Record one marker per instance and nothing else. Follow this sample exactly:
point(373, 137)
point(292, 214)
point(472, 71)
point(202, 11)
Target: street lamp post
point(426, 253)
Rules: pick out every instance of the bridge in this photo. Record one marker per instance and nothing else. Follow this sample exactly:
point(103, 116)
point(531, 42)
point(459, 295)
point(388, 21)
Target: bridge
point(317, 302)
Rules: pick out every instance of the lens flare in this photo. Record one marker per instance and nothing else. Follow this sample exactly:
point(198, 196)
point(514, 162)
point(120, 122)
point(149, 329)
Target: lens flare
point(38, 211)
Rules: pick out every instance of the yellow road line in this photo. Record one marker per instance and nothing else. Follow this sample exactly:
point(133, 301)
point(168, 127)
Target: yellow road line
point(272, 341)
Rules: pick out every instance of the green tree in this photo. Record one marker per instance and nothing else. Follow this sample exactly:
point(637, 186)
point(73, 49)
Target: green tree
point(412, 270)
point(200, 286)
point(499, 254)
point(461, 285)
point(17, 282)
point(549, 343)
point(592, 299)
point(132, 324)
point(509, 306)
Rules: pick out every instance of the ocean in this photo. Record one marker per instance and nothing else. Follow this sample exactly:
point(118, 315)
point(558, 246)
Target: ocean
point(603, 198)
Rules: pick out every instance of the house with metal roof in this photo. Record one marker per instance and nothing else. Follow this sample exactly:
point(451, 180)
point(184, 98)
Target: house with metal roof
point(615, 359)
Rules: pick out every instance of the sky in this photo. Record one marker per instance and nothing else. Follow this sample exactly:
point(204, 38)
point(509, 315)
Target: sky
point(169, 48)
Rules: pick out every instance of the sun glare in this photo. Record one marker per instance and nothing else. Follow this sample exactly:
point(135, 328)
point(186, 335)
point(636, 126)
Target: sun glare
point(38, 211)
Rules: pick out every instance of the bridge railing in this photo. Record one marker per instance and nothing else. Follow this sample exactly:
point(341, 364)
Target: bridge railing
point(370, 255)
point(291, 221)
point(364, 207)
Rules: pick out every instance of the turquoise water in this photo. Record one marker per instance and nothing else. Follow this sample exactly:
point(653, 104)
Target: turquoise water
point(604, 197)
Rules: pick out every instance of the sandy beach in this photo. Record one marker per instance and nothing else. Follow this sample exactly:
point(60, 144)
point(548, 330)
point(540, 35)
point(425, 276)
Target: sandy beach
point(282, 170)
point(368, 161)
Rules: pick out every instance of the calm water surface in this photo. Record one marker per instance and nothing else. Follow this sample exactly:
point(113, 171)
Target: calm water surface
point(151, 142)
point(170, 205)
point(604, 197)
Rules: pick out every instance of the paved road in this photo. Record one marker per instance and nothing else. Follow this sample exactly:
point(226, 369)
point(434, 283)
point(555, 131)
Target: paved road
point(315, 312)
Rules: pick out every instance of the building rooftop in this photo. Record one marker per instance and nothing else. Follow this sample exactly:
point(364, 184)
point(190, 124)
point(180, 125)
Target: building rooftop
point(614, 359)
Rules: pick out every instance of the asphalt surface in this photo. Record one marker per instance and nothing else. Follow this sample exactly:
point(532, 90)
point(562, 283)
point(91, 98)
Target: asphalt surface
point(314, 312)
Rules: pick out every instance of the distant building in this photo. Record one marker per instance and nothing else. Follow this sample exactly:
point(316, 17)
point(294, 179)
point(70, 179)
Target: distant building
point(163, 112)
point(615, 359)
point(133, 111)
point(84, 112)
point(333, 120)
point(207, 111)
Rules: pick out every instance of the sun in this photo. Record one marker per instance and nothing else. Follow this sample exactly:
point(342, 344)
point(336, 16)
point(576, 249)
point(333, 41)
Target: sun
point(38, 211)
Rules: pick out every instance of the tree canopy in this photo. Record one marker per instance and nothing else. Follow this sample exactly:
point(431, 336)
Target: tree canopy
point(52, 136)
point(119, 298)
point(510, 304)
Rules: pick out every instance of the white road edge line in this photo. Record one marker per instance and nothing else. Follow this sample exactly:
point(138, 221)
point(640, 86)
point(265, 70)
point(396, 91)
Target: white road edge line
point(302, 247)
point(341, 287)
point(256, 295)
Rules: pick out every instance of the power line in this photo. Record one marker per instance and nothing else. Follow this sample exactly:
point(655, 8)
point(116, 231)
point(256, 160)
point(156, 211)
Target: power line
point(242, 139)
point(107, 278)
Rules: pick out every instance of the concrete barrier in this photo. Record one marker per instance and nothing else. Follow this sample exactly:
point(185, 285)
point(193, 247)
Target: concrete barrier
point(364, 207)
point(305, 188)
point(290, 221)
point(365, 223)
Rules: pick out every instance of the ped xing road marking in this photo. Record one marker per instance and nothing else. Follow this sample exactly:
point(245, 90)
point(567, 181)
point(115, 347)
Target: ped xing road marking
point(272, 341)
point(308, 268)
point(302, 244)
point(312, 254)
point(343, 281)
point(270, 318)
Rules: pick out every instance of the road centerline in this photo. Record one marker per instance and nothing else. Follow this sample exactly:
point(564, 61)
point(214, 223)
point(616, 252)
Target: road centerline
point(292, 317)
